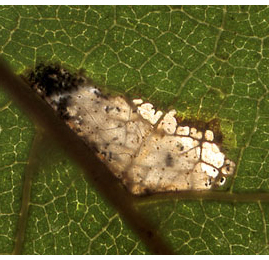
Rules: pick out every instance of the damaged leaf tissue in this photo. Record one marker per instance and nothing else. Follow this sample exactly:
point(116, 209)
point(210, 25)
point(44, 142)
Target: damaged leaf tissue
point(148, 150)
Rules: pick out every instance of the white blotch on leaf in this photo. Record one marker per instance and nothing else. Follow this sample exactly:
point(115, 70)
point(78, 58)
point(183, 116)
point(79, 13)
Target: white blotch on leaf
point(148, 150)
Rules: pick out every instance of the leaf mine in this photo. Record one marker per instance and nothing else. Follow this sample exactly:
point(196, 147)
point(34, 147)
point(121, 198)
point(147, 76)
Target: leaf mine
point(148, 150)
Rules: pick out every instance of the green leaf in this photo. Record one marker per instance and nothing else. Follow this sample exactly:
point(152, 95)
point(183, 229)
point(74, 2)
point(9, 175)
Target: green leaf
point(207, 62)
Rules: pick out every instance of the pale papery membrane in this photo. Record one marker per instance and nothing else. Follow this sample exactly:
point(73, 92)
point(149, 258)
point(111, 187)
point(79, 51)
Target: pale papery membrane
point(148, 150)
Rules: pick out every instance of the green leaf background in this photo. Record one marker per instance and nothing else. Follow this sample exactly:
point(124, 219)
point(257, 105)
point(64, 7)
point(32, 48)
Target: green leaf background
point(207, 62)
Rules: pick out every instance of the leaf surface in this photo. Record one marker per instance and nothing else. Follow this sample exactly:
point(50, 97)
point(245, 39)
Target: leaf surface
point(207, 62)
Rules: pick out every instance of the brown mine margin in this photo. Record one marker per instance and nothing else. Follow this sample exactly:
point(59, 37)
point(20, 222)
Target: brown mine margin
point(95, 170)
point(213, 125)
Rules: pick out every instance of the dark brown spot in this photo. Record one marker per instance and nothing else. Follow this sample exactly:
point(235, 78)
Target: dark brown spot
point(169, 161)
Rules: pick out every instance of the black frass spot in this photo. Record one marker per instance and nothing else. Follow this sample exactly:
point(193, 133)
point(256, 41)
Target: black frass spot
point(53, 79)
point(169, 161)
point(62, 107)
